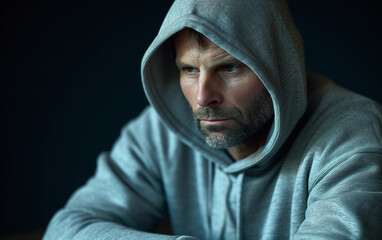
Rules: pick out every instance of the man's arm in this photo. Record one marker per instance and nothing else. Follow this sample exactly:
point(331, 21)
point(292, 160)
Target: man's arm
point(124, 200)
point(345, 200)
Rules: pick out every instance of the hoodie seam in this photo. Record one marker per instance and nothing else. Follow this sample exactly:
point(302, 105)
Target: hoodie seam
point(238, 210)
point(209, 197)
point(335, 164)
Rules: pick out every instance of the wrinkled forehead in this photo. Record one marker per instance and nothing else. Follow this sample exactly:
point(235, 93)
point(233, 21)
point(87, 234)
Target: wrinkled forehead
point(190, 43)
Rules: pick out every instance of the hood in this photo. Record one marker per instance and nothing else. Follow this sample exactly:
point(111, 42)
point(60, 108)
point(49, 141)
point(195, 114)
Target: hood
point(259, 33)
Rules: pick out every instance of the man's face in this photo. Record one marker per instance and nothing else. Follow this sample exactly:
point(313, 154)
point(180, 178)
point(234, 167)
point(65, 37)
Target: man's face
point(229, 102)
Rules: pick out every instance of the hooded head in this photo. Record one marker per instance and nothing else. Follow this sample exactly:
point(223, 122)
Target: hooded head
point(259, 34)
point(230, 104)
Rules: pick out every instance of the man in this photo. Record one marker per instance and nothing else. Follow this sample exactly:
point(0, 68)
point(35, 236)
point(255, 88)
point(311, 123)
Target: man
point(238, 143)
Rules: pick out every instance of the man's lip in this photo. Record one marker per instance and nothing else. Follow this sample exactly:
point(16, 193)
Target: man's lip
point(214, 121)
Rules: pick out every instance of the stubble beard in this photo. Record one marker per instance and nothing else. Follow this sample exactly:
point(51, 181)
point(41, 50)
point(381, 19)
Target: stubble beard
point(246, 124)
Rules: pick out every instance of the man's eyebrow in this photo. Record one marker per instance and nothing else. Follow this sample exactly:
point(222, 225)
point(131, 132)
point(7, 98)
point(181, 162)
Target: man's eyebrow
point(179, 64)
point(229, 59)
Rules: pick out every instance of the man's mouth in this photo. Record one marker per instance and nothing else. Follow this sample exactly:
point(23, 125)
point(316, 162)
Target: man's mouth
point(214, 121)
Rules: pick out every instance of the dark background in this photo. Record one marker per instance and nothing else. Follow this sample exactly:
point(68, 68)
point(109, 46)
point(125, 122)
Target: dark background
point(70, 78)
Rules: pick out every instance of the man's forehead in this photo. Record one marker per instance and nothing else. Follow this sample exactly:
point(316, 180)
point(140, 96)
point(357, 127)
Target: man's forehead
point(187, 45)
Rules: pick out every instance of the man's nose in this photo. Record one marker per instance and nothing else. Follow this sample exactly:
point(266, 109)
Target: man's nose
point(209, 91)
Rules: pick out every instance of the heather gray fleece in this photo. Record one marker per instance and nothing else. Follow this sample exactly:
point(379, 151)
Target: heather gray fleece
point(319, 175)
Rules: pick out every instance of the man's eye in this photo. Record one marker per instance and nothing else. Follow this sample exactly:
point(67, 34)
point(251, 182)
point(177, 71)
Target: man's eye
point(230, 68)
point(190, 70)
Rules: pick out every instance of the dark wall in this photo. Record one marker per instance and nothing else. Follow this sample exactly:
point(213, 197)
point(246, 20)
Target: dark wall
point(70, 79)
point(343, 41)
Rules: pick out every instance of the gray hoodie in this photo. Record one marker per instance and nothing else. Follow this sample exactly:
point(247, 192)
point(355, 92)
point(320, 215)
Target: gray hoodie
point(318, 176)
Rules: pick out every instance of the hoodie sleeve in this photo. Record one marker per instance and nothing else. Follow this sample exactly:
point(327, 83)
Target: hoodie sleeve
point(345, 200)
point(124, 200)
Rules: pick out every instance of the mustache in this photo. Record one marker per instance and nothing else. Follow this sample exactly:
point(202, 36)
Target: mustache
point(211, 113)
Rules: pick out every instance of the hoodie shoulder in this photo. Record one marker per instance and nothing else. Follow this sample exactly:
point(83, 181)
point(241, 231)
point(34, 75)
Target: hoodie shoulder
point(341, 126)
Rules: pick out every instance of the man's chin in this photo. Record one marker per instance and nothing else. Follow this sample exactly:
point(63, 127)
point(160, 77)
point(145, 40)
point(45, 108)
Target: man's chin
point(218, 142)
point(226, 138)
